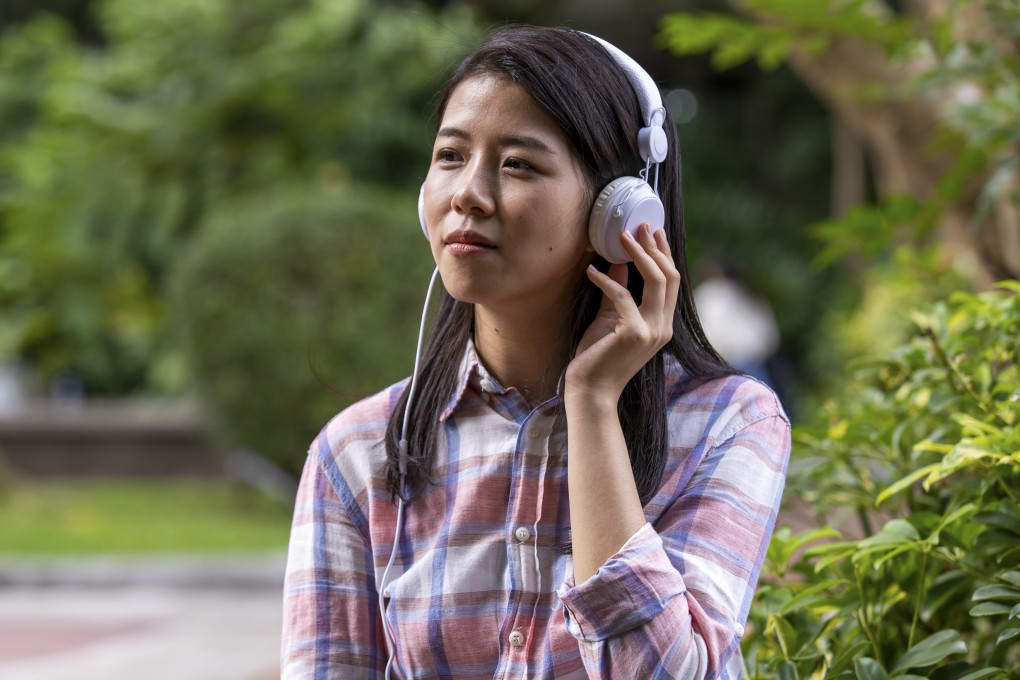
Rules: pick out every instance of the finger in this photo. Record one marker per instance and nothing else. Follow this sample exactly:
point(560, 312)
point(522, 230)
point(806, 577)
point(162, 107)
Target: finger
point(662, 281)
point(651, 269)
point(614, 292)
point(657, 246)
point(663, 243)
point(672, 275)
point(650, 244)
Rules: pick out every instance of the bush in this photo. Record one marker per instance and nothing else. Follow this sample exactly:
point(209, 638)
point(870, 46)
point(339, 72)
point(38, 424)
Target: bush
point(111, 156)
point(293, 306)
point(925, 440)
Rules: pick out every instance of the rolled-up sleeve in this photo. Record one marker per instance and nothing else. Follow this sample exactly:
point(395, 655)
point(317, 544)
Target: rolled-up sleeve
point(673, 601)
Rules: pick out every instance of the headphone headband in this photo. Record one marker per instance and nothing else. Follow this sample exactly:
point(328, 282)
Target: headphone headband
point(651, 138)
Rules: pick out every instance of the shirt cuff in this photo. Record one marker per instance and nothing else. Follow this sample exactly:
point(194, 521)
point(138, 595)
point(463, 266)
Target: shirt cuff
point(632, 587)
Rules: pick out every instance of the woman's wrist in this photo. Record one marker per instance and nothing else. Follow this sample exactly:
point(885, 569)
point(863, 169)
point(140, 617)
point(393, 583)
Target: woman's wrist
point(590, 401)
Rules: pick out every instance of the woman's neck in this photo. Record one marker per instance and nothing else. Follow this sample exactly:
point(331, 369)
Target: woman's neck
point(522, 352)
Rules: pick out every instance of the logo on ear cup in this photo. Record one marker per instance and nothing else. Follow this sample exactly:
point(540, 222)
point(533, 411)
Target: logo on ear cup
point(623, 205)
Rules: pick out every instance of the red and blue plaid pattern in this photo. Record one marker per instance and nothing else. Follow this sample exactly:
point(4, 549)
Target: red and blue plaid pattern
point(482, 587)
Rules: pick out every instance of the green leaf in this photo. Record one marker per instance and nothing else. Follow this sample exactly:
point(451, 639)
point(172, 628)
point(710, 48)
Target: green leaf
point(906, 482)
point(996, 592)
point(805, 537)
point(990, 609)
point(1011, 577)
point(1015, 612)
point(931, 650)
point(868, 669)
point(957, 514)
point(787, 634)
point(1011, 556)
point(810, 596)
point(1007, 634)
point(1003, 521)
point(844, 659)
point(982, 673)
point(787, 671)
point(894, 532)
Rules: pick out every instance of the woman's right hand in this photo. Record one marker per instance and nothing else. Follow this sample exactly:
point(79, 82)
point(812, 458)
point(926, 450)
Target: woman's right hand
point(624, 335)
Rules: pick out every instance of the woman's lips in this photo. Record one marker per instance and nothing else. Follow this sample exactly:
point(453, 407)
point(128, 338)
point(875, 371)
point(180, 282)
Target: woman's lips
point(467, 248)
point(468, 243)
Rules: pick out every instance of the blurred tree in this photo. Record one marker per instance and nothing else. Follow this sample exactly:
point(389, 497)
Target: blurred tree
point(111, 156)
point(78, 13)
point(931, 87)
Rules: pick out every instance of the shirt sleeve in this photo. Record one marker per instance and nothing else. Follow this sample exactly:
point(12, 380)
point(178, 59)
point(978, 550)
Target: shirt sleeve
point(673, 601)
point(331, 622)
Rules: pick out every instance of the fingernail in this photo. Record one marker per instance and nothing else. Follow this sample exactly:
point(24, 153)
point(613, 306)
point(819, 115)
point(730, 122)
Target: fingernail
point(629, 235)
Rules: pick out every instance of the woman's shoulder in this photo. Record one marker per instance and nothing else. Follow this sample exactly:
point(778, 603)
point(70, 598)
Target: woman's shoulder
point(722, 405)
point(357, 432)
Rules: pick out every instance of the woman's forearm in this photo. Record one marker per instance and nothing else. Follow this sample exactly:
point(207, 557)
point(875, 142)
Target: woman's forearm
point(605, 509)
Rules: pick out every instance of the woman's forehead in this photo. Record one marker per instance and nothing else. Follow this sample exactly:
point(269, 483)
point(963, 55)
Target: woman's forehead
point(488, 104)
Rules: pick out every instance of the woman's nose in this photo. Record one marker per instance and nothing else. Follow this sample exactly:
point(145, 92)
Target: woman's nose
point(474, 194)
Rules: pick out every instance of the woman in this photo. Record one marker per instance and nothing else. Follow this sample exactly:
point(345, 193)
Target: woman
point(590, 488)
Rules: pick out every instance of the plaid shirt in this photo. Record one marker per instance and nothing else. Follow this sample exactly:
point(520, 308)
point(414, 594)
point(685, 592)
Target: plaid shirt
point(481, 587)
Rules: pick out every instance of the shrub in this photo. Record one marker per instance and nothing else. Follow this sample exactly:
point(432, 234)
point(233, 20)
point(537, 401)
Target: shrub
point(111, 156)
point(925, 441)
point(293, 305)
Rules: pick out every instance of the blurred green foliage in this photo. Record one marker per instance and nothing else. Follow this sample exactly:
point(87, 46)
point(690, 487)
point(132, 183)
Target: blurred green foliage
point(756, 161)
point(971, 74)
point(294, 305)
point(112, 156)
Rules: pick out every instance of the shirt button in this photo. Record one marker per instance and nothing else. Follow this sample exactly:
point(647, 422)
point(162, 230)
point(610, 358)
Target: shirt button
point(486, 397)
point(738, 629)
point(517, 638)
point(522, 534)
point(534, 433)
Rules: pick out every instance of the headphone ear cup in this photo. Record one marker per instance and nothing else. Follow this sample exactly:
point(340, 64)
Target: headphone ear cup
point(623, 205)
point(421, 210)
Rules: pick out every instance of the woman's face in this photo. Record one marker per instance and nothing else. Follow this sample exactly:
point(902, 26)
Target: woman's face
point(505, 201)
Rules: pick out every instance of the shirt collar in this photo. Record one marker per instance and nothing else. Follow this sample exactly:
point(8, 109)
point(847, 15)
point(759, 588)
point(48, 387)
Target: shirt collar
point(472, 376)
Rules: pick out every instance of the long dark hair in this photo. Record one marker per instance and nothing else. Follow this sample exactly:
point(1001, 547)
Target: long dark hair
point(579, 85)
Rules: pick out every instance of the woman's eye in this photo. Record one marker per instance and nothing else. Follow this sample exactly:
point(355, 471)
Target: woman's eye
point(446, 155)
point(517, 164)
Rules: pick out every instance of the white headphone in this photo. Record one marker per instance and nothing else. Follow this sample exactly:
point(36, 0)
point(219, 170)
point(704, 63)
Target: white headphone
point(626, 202)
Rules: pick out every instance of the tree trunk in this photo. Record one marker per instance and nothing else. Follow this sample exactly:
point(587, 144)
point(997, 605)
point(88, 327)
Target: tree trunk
point(898, 131)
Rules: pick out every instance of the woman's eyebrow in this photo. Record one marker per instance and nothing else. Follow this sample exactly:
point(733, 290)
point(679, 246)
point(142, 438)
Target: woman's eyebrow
point(504, 140)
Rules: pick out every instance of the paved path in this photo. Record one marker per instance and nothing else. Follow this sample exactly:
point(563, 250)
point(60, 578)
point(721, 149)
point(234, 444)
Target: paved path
point(176, 619)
